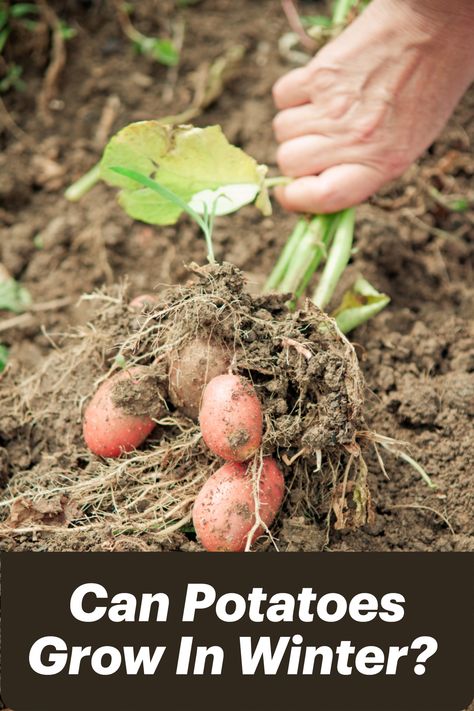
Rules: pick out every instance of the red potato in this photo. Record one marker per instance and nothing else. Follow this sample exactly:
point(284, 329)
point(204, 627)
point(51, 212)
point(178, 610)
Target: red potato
point(108, 429)
point(231, 418)
point(191, 368)
point(142, 302)
point(224, 510)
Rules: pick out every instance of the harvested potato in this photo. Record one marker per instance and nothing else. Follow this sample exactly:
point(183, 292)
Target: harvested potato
point(109, 429)
point(224, 510)
point(191, 368)
point(231, 418)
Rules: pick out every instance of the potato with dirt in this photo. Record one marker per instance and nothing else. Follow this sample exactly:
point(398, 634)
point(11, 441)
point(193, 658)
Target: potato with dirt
point(118, 419)
point(143, 302)
point(224, 513)
point(191, 368)
point(231, 418)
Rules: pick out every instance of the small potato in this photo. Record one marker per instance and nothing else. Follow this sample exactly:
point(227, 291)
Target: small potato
point(224, 510)
point(191, 368)
point(108, 429)
point(144, 302)
point(231, 418)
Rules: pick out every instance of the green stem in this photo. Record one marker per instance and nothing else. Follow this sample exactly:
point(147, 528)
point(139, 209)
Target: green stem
point(337, 260)
point(277, 180)
point(341, 8)
point(85, 183)
point(311, 242)
point(284, 259)
point(349, 319)
point(329, 225)
point(172, 197)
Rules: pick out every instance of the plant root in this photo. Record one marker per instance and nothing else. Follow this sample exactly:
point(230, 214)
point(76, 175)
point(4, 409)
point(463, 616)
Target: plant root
point(305, 373)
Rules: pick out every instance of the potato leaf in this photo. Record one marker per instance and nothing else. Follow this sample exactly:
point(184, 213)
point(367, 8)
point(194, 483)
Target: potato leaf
point(224, 200)
point(358, 305)
point(197, 164)
point(13, 296)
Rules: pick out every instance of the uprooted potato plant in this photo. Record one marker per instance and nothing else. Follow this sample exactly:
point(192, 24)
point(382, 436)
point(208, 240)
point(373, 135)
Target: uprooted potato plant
point(304, 371)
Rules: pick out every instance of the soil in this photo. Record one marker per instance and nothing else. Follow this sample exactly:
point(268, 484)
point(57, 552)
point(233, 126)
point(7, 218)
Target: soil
point(417, 356)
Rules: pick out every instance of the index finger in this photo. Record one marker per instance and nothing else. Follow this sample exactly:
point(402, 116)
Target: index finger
point(291, 89)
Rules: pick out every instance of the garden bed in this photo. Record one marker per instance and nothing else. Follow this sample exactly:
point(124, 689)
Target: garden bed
point(417, 357)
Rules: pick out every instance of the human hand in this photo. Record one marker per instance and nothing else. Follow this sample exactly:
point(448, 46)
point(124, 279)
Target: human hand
point(371, 101)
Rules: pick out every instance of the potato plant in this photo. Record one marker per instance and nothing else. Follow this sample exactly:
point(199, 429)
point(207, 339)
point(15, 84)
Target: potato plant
point(211, 375)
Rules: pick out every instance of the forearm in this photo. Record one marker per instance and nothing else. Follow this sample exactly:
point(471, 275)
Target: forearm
point(451, 21)
point(442, 9)
point(372, 100)
point(445, 27)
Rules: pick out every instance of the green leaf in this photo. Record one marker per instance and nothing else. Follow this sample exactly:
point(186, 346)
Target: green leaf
point(204, 223)
point(29, 24)
point(157, 188)
point(3, 18)
point(120, 361)
point(23, 8)
point(459, 205)
point(183, 159)
point(165, 52)
point(3, 357)
point(162, 50)
point(12, 79)
point(38, 241)
point(316, 21)
point(13, 296)
point(3, 37)
point(188, 528)
point(358, 305)
point(67, 32)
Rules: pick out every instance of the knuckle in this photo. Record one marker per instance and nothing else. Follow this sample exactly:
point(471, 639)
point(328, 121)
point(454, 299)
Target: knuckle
point(364, 129)
point(276, 92)
point(368, 126)
point(326, 195)
point(339, 106)
point(278, 125)
point(284, 158)
point(320, 77)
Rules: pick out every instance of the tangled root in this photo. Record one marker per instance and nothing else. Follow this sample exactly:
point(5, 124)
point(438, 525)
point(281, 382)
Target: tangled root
point(305, 373)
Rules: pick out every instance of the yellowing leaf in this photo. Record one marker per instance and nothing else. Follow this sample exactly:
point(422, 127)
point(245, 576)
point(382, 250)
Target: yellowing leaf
point(183, 159)
point(358, 305)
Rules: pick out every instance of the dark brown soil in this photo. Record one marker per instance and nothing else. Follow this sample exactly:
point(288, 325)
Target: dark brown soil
point(417, 357)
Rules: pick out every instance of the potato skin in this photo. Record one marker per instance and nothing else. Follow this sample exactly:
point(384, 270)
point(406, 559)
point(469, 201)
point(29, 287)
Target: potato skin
point(191, 368)
point(108, 430)
point(224, 510)
point(231, 418)
point(143, 302)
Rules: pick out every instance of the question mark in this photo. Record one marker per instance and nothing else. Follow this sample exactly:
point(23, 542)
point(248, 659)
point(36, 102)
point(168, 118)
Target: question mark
point(431, 647)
